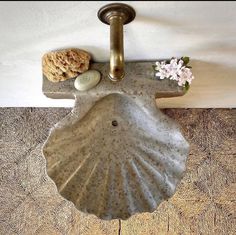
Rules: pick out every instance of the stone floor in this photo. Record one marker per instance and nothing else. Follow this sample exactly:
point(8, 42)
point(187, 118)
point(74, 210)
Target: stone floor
point(203, 204)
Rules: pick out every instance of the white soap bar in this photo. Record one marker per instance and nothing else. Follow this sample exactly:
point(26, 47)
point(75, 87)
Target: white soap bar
point(87, 80)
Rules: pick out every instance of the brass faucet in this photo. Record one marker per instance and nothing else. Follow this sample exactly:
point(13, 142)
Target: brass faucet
point(116, 15)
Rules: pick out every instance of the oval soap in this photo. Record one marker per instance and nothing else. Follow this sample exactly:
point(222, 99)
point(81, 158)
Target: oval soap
point(87, 80)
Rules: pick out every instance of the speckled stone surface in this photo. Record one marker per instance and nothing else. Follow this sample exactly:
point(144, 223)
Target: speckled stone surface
point(116, 154)
point(116, 160)
point(138, 81)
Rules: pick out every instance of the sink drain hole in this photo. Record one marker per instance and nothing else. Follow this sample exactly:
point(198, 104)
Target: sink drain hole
point(114, 123)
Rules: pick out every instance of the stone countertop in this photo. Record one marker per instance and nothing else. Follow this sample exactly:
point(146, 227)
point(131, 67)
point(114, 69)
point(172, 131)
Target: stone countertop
point(138, 81)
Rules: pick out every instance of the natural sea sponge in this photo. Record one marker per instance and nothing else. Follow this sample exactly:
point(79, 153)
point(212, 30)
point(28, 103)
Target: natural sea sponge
point(65, 64)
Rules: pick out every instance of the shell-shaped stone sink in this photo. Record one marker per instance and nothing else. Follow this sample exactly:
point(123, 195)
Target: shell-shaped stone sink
point(116, 154)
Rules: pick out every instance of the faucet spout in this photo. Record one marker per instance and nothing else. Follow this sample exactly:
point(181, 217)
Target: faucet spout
point(116, 15)
point(116, 48)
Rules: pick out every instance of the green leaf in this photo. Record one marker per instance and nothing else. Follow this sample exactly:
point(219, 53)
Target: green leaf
point(186, 86)
point(188, 67)
point(186, 60)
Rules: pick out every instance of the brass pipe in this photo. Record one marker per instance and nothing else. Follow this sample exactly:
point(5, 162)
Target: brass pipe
point(116, 15)
point(116, 48)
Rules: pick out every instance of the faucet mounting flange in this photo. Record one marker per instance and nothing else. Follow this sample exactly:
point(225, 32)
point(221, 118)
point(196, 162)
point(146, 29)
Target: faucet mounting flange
point(116, 15)
point(127, 12)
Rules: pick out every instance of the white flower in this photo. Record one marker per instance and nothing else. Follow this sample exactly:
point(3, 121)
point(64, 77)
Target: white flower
point(174, 62)
point(162, 74)
point(162, 70)
point(185, 75)
point(160, 65)
point(174, 76)
point(175, 70)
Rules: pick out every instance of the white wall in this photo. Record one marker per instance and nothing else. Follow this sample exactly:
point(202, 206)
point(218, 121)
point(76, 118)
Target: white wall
point(205, 31)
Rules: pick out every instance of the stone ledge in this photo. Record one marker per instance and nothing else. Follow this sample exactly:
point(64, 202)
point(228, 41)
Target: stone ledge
point(138, 81)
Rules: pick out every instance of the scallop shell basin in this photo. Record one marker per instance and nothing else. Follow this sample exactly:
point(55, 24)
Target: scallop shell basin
point(117, 160)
